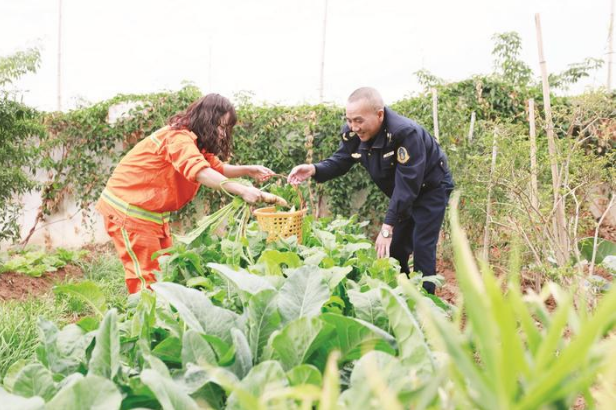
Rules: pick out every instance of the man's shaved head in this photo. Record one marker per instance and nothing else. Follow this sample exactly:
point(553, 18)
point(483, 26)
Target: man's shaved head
point(370, 95)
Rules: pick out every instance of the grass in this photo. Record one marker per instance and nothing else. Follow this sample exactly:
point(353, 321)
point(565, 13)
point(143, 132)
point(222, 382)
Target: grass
point(18, 326)
point(18, 319)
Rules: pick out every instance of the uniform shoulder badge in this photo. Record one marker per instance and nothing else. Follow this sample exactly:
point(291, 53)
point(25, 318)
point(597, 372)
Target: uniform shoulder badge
point(348, 135)
point(402, 155)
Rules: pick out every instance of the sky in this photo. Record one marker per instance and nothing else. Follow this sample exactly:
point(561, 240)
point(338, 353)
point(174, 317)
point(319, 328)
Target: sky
point(273, 48)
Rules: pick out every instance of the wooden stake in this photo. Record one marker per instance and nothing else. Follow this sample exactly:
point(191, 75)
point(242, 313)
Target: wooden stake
point(486, 232)
point(59, 79)
point(435, 113)
point(322, 73)
point(472, 128)
point(610, 48)
point(534, 190)
point(560, 233)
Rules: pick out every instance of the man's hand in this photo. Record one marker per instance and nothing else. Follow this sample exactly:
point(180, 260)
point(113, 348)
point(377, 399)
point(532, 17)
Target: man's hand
point(383, 244)
point(300, 173)
point(259, 173)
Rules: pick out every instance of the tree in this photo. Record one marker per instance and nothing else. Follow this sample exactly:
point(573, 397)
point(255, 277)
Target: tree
point(18, 125)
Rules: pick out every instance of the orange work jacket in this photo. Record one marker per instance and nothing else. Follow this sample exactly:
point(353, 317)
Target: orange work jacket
point(156, 177)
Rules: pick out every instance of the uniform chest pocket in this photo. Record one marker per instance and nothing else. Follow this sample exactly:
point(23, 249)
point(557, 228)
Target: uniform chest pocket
point(388, 160)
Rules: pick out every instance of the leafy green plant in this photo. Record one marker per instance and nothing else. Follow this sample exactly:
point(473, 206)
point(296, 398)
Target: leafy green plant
point(515, 353)
point(36, 263)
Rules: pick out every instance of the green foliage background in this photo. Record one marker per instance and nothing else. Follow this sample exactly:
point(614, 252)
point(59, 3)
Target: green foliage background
point(80, 148)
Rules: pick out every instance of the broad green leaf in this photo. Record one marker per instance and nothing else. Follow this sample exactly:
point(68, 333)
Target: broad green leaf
point(262, 320)
point(169, 350)
point(169, 394)
point(225, 352)
point(244, 281)
point(368, 307)
point(327, 239)
point(35, 380)
point(195, 349)
point(91, 392)
point(305, 374)
point(210, 396)
point(157, 365)
point(195, 377)
point(303, 294)
point(144, 318)
point(609, 262)
point(13, 402)
point(62, 351)
point(414, 351)
point(88, 323)
point(197, 310)
point(313, 256)
point(266, 376)
point(391, 378)
point(604, 248)
point(12, 372)
point(243, 355)
point(354, 337)
point(274, 261)
point(105, 359)
point(334, 275)
point(349, 249)
point(87, 291)
point(299, 339)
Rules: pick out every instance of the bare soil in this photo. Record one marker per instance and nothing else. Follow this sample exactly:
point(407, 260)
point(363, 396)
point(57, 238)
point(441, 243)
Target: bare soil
point(17, 286)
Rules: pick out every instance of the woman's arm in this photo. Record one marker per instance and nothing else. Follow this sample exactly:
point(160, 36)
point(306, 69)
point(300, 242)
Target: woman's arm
point(212, 179)
point(256, 172)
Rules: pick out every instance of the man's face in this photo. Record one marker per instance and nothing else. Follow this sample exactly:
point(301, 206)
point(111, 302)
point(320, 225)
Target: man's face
point(363, 119)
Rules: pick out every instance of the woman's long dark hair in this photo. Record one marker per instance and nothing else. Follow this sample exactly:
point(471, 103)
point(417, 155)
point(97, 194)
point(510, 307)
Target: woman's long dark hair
point(203, 118)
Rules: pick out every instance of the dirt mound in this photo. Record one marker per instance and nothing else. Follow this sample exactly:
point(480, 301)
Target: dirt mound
point(17, 286)
point(449, 290)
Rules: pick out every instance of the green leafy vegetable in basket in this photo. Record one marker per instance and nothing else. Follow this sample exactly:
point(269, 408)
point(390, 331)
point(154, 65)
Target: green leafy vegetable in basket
point(291, 194)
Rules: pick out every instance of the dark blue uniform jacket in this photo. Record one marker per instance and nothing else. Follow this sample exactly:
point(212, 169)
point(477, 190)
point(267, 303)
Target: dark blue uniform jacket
point(403, 159)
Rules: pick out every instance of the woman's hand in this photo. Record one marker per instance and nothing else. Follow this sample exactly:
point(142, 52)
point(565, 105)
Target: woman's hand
point(251, 194)
point(259, 173)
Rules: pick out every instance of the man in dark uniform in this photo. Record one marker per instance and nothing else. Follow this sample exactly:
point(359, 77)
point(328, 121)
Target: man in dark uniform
point(407, 164)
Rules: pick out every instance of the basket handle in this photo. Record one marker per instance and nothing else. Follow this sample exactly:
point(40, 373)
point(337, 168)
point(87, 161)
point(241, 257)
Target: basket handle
point(299, 192)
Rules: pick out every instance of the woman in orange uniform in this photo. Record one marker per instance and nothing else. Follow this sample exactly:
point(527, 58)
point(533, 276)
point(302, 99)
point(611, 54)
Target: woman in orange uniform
point(162, 173)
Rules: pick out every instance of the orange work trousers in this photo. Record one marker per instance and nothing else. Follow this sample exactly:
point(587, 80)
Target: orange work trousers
point(135, 249)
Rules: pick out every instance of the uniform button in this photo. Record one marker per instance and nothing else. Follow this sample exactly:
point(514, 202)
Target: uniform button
point(423, 185)
point(391, 163)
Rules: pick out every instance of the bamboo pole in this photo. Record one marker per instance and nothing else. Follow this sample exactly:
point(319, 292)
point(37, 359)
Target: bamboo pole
point(322, 73)
point(610, 48)
point(561, 245)
point(435, 113)
point(534, 190)
point(486, 232)
point(59, 78)
point(472, 127)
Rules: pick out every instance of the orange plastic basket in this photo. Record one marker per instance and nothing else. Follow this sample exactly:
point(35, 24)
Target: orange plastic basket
point(282, 224)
